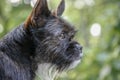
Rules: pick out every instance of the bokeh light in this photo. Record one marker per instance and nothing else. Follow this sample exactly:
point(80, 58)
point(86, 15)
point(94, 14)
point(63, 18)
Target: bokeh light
point(82, 3)
point(14, 1)
point(32, 3)
point(95, 29)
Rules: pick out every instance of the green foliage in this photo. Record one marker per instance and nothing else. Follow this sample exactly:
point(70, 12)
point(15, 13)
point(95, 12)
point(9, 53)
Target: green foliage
point(101, 54)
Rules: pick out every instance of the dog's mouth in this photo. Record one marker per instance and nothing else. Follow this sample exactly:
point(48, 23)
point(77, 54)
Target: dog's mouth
point(79, 52)
point(76, 61)
point(75, 51)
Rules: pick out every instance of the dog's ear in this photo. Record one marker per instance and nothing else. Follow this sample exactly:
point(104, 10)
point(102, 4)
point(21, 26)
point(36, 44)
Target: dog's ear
point(39, 13)
point(60, 9)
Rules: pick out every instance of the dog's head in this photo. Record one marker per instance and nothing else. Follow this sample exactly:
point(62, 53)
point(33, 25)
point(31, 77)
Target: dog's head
point(53, 37)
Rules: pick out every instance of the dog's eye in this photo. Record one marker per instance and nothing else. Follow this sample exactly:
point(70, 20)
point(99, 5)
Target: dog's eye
point(62, 36)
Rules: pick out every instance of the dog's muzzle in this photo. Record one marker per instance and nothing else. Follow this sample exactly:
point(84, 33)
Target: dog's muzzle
point(77, 54)
point(79, 49)
point(76, 50)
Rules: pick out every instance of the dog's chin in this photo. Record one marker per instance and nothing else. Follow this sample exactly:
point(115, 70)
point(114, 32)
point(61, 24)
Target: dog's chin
point(75, 62)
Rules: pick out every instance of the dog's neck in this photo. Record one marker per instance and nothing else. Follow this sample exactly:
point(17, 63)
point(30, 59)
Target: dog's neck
point(46, 71)
point(19, 40)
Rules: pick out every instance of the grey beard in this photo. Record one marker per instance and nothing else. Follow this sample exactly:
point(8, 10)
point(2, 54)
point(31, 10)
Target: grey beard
point(47, 71)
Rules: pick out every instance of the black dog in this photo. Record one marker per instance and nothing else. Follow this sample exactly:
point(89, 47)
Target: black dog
point(42, 46)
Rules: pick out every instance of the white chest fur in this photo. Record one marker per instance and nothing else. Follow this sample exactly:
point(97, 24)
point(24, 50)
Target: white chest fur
point(46, 71)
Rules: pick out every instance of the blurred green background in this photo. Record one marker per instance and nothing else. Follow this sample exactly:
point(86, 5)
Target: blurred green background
point(98, 25)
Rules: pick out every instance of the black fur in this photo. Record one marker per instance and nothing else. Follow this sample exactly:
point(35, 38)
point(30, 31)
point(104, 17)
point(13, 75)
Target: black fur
point(49, 40)
point(15, 50)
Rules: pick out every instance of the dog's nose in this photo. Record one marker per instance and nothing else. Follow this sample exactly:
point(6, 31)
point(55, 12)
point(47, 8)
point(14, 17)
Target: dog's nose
point(79, 49)
point(79, 46)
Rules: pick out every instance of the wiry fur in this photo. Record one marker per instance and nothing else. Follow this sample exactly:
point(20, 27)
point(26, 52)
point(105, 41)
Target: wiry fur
point(43, 39)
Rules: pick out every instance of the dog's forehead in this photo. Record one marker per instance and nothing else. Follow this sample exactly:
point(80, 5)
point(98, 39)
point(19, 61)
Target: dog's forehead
point(63, 24)
point(66, 23)
point(58, 25)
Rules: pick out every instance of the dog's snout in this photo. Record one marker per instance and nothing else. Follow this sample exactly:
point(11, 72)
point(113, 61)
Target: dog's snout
point(79, 46)
point(76, 45)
